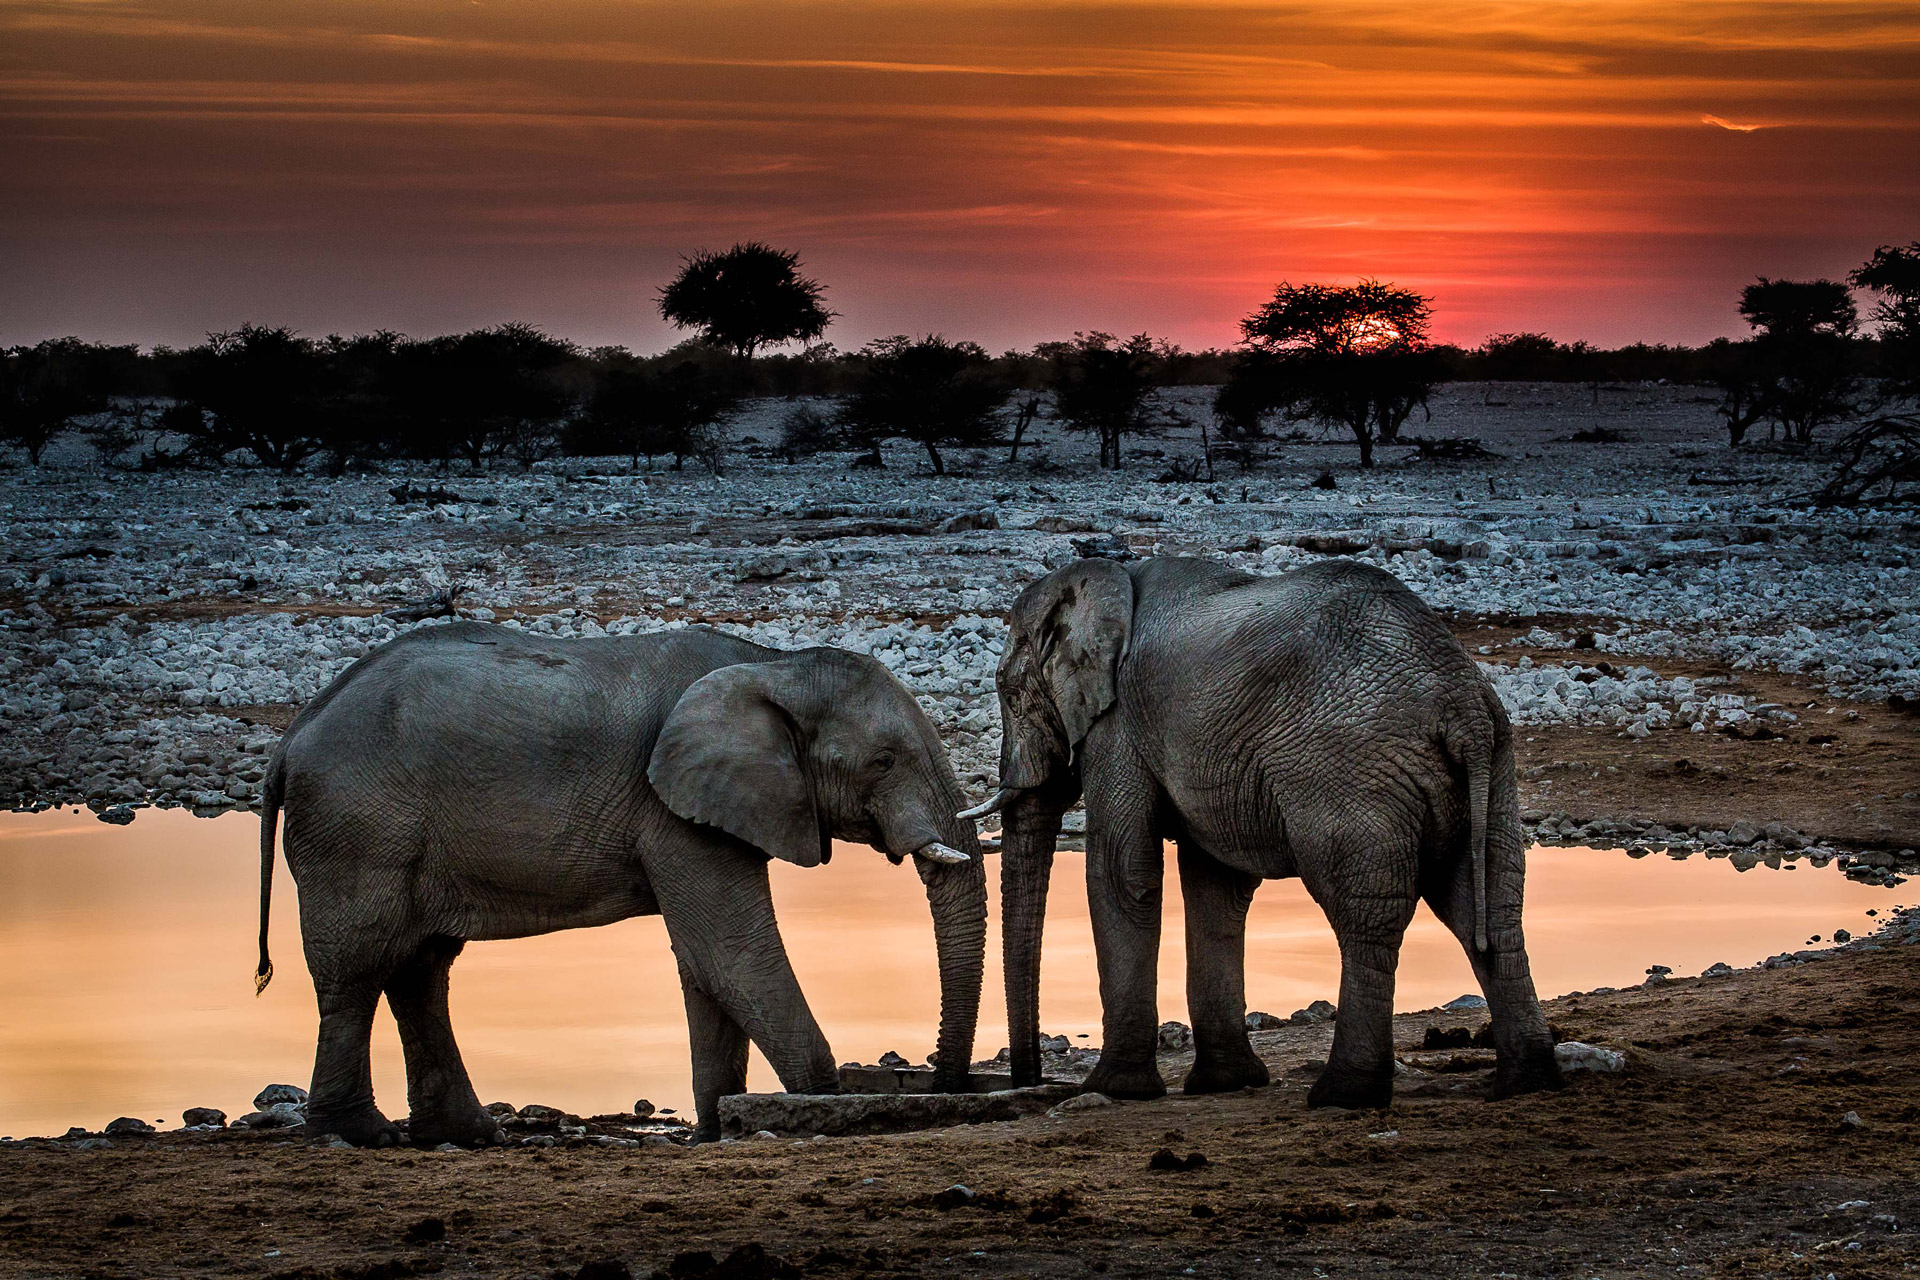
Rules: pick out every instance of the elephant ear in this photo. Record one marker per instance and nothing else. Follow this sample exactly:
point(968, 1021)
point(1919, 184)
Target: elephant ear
point(1074, 624)
point(729, 756)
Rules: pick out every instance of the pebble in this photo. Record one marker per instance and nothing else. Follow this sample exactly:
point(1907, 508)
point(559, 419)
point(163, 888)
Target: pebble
point(275, 1094)
point(1081, 1102)
point(1577, 1055)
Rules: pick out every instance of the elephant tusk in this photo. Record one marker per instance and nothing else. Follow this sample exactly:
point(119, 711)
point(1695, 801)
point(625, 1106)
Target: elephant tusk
point(937, 852)
point(999, 802)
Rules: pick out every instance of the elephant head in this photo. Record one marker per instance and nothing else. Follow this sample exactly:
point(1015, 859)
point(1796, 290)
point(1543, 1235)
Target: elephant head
point(818, 745)
point(1059, 674)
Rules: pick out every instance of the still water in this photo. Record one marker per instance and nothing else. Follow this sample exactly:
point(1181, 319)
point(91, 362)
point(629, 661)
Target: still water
point(127, 956)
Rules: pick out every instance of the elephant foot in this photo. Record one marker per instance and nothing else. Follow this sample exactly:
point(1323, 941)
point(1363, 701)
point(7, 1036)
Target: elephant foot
point(1123, 1081)
point(703, 1133)
point(1354, 1090)
point(476, 1128)
point(953, 1082)
point(363, 1126)
point(1226, 1073)
point(1535, 1073)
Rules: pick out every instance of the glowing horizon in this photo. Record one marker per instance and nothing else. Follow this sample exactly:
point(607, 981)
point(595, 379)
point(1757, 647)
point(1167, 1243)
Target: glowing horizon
point(1610, 171)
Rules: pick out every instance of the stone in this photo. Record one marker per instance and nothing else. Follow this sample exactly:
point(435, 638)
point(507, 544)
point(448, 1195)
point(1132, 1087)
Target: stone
point(1175, 1036)
point(1852, 1120)
point(276, 1093)
point(1744, 833)
point(953, 1197)
point(1055, 1044)
point(1082, 1102)
point(281, 1115)
point(1841, 936)
point(1718, 969)
point(1317, 1012)
point(127, 1125)
point(643, 1109)
point(1459, 1003)
point(1577, 1055)
point(839, 1114)
point(1657, 974)
point(214, 1116)
point(1261, 1021)
point(892, 1059)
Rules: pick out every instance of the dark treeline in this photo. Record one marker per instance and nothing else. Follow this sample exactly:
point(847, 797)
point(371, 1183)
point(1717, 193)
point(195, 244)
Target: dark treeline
point(1351, 358)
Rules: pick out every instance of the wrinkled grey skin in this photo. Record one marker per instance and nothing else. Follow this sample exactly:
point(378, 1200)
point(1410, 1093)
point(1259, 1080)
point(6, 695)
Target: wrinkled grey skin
point(471, 782)
point(1323, 724)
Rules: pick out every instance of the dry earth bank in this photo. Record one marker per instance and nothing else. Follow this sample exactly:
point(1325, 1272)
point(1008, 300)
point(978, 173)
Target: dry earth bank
point(1764, 1125)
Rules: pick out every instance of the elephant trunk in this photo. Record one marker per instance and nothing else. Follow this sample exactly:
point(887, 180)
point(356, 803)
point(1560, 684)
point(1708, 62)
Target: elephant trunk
point(957, 896)
point(1030, 828)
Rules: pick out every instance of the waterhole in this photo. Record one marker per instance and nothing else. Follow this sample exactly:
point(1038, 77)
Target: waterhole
point(127, 957)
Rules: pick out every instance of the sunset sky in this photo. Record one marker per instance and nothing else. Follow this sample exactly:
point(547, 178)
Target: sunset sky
point(1006, 172)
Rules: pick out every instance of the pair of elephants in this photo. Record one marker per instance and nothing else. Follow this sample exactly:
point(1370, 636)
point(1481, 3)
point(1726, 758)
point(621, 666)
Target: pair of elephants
point(470, 781)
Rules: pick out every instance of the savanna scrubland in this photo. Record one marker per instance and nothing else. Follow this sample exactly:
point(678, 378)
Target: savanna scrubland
point(1697, 660)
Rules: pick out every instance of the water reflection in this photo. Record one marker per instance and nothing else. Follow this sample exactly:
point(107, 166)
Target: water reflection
point(127, 954)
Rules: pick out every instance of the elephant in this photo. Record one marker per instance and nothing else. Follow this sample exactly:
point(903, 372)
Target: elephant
point(1322, 723)
point(472, 781)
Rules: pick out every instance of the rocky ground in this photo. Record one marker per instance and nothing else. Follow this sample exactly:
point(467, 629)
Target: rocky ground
point(1694, 662)
point(1759, 1122)
point(1661, 599)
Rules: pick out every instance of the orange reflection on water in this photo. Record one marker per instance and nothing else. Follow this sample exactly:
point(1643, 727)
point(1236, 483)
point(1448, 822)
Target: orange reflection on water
point(127, 954)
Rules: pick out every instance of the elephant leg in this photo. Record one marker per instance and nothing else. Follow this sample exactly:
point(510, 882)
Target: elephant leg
point(725, 936)
point(1367, 890)
point(1522, 1041)
point(1125, 868)
point(440, 1096)
point(340, 1099)
point(1217, 897)
point(719, 1057)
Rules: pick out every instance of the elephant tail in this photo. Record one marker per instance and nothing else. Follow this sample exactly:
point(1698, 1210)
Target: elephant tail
point(1469, 740)
point(1479, 797)
point(270, 794)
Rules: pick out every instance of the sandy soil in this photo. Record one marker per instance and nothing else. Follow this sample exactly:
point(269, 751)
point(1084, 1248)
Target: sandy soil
point(1724, 1148)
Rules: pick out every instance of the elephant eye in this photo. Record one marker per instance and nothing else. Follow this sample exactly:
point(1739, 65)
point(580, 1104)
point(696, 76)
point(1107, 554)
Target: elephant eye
point(883, 761)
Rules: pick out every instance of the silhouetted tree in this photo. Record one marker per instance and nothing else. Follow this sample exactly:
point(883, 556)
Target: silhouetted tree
point(362, 396)
point(1103, 384)
point(45, 387)
point(257, 388)
point(1521, 357)
point(750, 296)
point(933, 392)
point(806, 431)
point(1894, 274)
point(1344, 355)
point(641, 410)
point(479, 394)
point(1803, 344)
point(1024, 417)
point(1734, 369)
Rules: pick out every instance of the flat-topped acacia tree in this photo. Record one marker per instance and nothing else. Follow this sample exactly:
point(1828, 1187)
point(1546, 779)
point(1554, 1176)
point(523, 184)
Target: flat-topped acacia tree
point(1346, 355)
point(745, 298)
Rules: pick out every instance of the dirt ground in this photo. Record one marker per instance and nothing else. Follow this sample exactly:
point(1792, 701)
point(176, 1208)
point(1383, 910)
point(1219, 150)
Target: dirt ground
point(1723, 1149)
point(1848, 772)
